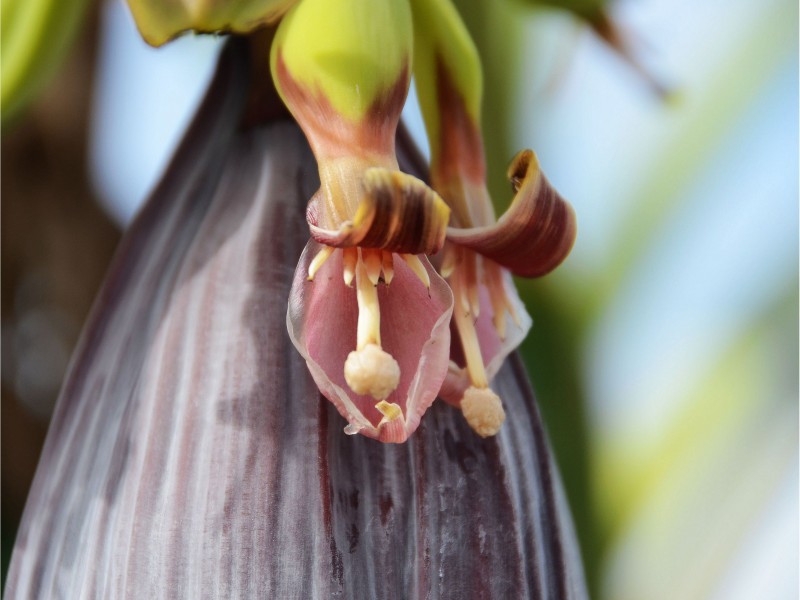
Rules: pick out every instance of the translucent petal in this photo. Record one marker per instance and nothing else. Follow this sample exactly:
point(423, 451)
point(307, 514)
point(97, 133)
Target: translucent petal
point(322, 320)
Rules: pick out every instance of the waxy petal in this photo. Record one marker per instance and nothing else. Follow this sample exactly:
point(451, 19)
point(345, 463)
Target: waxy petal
point(398, 212)
point(415, 320)
point(494, 349)
point(537, 231)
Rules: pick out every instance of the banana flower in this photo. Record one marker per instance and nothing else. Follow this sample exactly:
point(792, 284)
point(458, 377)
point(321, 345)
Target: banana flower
point(367, 311)
point(377, 349)
point(532, 238)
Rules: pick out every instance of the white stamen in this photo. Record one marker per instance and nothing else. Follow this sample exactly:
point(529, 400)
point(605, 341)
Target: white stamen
point(349, 260)
point(369, 369)
point(372, 263)
point(483, 410)
point(501, 301)
point(470, 345)
point(319, 260)
point(387, 258)
point(449, 264)
point(369, 311)
point(464, 300)
point(474, 303)
point(418, 268)
point(500, 321)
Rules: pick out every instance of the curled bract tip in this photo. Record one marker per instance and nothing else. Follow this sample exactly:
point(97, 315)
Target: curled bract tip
point(537, 231)
point(396, 212)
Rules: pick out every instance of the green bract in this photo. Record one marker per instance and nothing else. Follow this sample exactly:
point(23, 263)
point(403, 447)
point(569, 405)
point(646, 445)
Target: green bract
point(441, 41)
point(161, 20)
point(349, 51)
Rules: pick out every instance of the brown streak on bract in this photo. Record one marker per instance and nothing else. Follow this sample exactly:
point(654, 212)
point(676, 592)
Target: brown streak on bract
point(537, 232)
point(461, 145)
point(403, 215)
point(330, 133)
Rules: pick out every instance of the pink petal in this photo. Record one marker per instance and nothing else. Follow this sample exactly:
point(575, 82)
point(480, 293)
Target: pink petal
point(415, 330)
point(535, 234)
point(493, 349)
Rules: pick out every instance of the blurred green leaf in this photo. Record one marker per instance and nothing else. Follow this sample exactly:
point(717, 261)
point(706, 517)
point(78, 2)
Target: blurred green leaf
point(698, 133)
point(588, 11)
point(35, 35)
point(697, 486)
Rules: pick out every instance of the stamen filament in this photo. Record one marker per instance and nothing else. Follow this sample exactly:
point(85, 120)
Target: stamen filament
point(418, 268)
point(472, 350)
point(449, 263)
point(372, 263)
point(349, 260)
point(319, 260)
point(369, 312)
point(500, 303)
point(480, 406)
point(499, 318)
point(461, 297)
point(514, 314)
point(369, 369)
point(388, 267)
point(470, 273)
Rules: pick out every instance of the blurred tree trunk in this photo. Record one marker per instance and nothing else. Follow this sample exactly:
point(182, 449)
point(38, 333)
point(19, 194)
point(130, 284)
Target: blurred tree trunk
point(56, 246)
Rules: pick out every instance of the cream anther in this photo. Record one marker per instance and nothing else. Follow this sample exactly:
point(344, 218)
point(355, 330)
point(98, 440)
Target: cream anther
point(483, 411)
point(372, 371)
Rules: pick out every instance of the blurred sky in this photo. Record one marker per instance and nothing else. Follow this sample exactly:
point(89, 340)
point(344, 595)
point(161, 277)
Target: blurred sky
point(725, 146)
